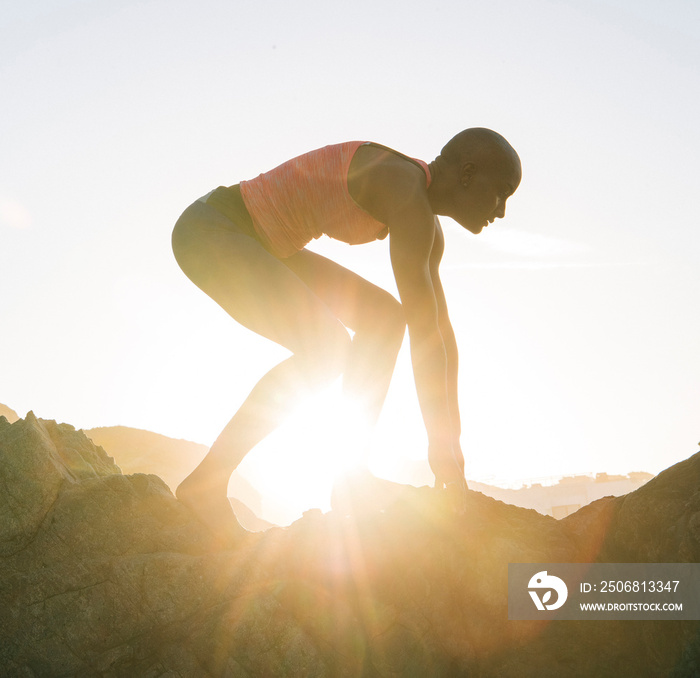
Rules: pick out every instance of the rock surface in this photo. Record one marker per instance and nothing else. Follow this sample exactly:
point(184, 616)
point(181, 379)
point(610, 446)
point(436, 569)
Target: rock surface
point(103, 574)
point(139, 451)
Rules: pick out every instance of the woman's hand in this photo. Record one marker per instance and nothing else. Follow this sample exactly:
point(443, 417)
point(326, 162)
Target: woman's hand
point(447, 463)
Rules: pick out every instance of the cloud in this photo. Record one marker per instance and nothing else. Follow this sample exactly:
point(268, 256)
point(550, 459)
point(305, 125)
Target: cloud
point(13, 214)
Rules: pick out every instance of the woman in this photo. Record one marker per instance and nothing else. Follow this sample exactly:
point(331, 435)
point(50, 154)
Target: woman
point(244, 246)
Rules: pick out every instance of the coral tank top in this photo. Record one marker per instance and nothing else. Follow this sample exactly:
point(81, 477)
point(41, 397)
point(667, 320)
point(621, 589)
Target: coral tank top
point(307, 197)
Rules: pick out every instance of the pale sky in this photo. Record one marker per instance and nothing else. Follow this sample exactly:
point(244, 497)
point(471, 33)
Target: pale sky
point(577, 316)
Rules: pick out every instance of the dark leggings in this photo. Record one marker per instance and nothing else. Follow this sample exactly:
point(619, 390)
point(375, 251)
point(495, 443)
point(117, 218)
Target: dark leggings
point(228, 262)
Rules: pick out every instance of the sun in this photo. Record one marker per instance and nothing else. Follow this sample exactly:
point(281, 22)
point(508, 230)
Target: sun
point(295, 468)
point(326, 436)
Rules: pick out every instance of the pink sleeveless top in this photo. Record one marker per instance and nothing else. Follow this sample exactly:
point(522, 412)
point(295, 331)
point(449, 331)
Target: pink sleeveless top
point(307, 197)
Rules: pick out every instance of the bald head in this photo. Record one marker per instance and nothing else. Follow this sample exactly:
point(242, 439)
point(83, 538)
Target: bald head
point(477, 144)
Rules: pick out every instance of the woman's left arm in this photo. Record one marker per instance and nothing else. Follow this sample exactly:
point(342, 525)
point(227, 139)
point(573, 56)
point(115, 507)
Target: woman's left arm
point(450, 342)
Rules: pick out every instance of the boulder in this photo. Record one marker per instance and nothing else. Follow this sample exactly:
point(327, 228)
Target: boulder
point(105, 574)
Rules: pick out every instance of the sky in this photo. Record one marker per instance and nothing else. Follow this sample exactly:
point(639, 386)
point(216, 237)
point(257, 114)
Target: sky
point(576, 316)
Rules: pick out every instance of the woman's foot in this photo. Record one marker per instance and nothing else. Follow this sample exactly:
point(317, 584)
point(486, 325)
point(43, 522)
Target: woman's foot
point(205, 495)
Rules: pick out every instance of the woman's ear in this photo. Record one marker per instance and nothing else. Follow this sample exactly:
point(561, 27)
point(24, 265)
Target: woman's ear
point(467, 171)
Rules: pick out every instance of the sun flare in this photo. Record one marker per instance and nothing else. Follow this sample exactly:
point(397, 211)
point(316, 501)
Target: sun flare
point(325, 437)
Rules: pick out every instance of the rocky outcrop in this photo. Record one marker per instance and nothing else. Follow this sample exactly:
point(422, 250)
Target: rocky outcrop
point(103, 574)
point(172, 460)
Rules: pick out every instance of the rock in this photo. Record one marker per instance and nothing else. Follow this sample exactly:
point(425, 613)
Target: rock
point(139, 451)
point(103, 574)
point(37, 458)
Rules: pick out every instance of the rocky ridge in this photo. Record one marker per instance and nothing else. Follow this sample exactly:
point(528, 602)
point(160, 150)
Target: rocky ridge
point(104, 574)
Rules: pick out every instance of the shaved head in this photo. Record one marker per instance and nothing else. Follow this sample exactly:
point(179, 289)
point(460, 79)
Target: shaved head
point(476, 143)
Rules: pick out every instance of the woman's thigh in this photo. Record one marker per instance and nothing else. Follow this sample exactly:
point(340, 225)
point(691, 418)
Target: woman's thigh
point(251, 285)
point(358, 303)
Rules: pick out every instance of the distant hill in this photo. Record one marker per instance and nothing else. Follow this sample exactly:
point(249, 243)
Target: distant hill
point(138, 451)
point(558, 500)
point(568, 495)
point(9, 414)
